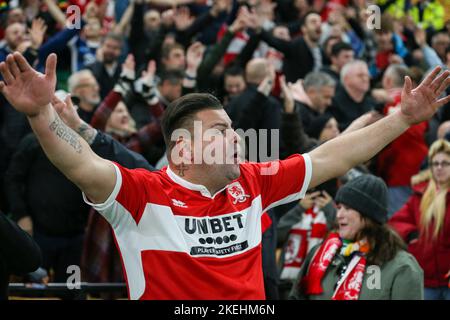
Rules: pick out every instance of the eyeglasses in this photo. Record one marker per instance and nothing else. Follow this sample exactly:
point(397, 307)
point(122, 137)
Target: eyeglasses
point(443, 164)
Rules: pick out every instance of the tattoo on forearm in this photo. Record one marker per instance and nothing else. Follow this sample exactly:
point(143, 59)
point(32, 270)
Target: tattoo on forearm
point(87, 132)
point(65, 133)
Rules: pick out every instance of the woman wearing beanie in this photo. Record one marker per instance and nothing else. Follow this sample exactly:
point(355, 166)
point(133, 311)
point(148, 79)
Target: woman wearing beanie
point(364, 259)
point(424, 222)
point(323, 128)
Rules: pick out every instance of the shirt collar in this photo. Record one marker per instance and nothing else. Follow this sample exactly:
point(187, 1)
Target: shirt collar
point(191, 186)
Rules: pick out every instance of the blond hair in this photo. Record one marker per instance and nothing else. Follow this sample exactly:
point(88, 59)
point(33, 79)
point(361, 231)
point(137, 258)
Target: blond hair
point(433, 203)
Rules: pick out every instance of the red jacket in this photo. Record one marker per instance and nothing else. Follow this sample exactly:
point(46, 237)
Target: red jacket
point(432, 255)
point(401, 159)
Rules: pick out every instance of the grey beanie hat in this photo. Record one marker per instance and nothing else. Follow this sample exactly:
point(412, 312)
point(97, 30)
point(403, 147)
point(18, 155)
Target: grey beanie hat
point(366, 194)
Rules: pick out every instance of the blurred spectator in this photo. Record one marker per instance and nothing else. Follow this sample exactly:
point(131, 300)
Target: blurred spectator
point(113, 117)
point(430, 56)
point(214, 74)
point(234, 83)
point(443, 130)
point(19, 254)
point(170, 86)
point(14, 36)
point(424, 222)
point(352, 98)
point(85, 91)
point(327, 45)
point(428, 14)
point(47, 205)
point(301, 229)
point(341, 54)
point(84, 47)
point(400, 160)
point(319, 89)
point(440, 43)
point(107, 67)
point(173, 57)
point(363, 239)
point(305, 48)
point(255, 108)
point(390, 48)
point(323, 128)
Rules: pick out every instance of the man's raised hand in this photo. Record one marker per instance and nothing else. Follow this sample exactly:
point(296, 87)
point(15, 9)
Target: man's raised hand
point(27, 90)
point(67, 111)
point(421, 103)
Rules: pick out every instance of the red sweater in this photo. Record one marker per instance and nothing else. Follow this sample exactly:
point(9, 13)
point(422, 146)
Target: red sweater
point(401, 159)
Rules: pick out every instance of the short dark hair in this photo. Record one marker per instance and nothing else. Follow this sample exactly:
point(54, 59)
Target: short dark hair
point(339, 47)
point(234, 70)
point(113, 36)
point(386, 24)
point(305, 17)
point(168, 48)
point(174, 76)
point(181, 112)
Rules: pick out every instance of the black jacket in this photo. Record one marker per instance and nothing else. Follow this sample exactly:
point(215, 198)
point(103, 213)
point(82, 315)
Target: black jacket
point(293, 137)
point(335, 75)
point(36, 188)
point(253, 110)
point(345, 109)
point(298, 59)
point(105, 81)
point(108, 148)
point(19, 254)
point(307, 114)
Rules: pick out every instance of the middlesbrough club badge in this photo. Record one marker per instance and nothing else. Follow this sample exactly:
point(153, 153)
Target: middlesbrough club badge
point(237, 192)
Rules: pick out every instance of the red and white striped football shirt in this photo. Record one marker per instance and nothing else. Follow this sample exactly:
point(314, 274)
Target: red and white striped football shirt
point(177, 241)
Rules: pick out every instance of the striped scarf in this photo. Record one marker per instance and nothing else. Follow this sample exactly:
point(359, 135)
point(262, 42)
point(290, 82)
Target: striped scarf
point(303, 236)
point(350, 283)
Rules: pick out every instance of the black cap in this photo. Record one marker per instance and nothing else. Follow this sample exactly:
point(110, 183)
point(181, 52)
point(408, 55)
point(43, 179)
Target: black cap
point(316, 126)
point(366, 194)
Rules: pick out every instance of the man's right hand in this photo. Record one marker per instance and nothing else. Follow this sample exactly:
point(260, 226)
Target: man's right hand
point(67, 111)
point(308, 201)
point(27, 90)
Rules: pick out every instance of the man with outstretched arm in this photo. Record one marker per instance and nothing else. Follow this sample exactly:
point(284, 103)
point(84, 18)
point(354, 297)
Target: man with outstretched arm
point(193, 229)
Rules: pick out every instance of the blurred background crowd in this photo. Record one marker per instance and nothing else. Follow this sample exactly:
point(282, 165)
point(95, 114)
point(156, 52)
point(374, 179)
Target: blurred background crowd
point(312, 69)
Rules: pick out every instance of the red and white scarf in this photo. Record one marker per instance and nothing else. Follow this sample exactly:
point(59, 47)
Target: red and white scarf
point(303, 236)
point(349, 286)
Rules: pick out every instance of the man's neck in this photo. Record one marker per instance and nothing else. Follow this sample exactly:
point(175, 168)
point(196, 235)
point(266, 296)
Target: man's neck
point(10, 48)
point(314, 108)
point(335, 68)
point(94, 41)
point(356, 95)
point(188, 174)
point(310, 43)
point(86, 107)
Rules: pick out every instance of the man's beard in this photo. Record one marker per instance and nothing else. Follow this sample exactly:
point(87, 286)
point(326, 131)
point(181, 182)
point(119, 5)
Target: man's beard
point(93, 101)
point(108, 59)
